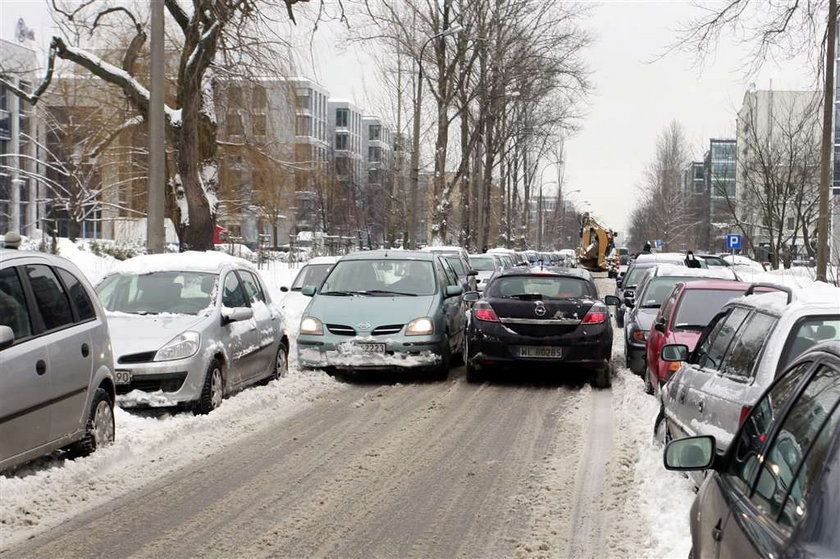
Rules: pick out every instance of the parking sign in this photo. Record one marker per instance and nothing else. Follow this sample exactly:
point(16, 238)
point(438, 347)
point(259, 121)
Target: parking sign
point(733, 242)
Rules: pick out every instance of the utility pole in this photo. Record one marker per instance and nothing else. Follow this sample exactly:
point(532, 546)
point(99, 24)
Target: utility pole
point(157, 140)
point(826, 147)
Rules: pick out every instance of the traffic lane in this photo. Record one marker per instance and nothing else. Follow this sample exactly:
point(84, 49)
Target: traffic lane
point(429, 469)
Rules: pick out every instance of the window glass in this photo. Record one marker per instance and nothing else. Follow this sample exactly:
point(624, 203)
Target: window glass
point(312, 275)
point(792, 444)
point(483, 263)
point(450, 272)
point(50, 296)
point(441, 273)
point(810, 332)
point(741, 361)
point(719, 339)
point(539, 287)
point(457, 265)
point(634, 276)
point(157, 292)
point(386, 277)
point(232, 294)
point(668, 307)
point(77, 294)
point(252, 288)
point(699, 306)
point(13, 310)
point(753, 434)
point(658, 289)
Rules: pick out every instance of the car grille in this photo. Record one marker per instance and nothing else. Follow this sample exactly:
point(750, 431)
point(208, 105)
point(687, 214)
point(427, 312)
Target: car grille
point(144, 357)
point(341, 330)
point(387, 330)
point(166, 382)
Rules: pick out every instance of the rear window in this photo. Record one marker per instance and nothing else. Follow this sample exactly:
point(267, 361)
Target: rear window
point(311, 275)
point(545, 287)
point(634, 276)
point(658, 289)
point(482, 263)
point(808, 333)
point(699, 306)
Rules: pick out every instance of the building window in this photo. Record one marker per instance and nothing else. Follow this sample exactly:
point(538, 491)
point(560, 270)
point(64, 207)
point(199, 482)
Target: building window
point(375, 132)
point(234, 124)
point(259, 125)
point(374, 154)
point(303, 100)
point(341, 141)
point(5, 197)
point(341, 117)
point(342, 166)
point(5, 125)
point(260, 99)
point(303, 125)
point(234, 96)
point(4, 99)
point(790, 223)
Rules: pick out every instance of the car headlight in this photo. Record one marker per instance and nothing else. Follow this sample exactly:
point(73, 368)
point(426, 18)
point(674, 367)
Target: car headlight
point(180, 347)
point(420, 327)
point(640, 335)
point(311, 326)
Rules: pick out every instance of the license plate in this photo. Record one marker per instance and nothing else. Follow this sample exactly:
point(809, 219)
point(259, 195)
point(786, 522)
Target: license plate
point(541, 352)
point(122, 377)
point(371, 348)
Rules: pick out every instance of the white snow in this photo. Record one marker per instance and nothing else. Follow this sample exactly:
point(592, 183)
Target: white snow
point(190, 261)
point(683, 271)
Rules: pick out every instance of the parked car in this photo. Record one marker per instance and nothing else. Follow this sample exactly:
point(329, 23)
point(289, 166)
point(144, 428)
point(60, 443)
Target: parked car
point(548, 318)
point(56, 366)
point(625, 284)
point(486, 265)
point(313, 274)
point(190, 328)
point(385, 310)
point(741, 260)
point(773, 491)
point(739, 354)
point(460, 262)
point(653, 289)
point(712, 261)
point(681, 320)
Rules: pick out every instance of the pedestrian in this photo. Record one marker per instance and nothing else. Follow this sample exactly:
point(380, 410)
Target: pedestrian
point(646, 249)
point(691, 261)
point(11, 240)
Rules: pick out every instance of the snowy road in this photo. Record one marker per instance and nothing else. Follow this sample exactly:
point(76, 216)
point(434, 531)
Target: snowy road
point(505, 469)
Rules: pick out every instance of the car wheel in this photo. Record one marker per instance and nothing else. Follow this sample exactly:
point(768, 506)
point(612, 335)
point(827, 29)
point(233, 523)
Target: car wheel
point(99, 429)
point(281, 363)
point(213, 391)
point(602, 376)
point(441, 372)
point(619, 318)
point(458, 359)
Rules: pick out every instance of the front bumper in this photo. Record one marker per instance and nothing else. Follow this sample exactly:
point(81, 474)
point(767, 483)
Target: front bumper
point(162, 384)
point(401, 353)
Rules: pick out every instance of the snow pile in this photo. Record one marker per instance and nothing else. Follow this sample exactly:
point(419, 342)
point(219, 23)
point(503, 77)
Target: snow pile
point(351, 355)
point(147, 447)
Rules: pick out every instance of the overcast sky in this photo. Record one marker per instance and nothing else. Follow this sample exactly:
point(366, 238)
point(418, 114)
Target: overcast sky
point(634, 98)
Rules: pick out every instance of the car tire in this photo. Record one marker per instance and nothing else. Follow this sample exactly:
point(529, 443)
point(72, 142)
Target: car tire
point(619, 318)
point(602, 377)
point(281, 363)
point(441, 372)
point(213, 391)
point(99, 427)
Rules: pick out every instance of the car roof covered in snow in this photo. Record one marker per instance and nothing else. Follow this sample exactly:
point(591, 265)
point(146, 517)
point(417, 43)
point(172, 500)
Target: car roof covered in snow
point(819, 297)
point(191, 261)
point(716, 284)
point(323, 260)
point(389, 254)
point(671, 270)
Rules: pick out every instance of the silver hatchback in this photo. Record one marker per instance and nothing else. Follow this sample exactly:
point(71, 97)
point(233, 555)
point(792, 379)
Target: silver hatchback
point(56, 366)
point(190, 328)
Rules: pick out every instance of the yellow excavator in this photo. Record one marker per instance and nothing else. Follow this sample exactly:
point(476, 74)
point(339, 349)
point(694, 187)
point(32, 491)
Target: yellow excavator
point(596, 242)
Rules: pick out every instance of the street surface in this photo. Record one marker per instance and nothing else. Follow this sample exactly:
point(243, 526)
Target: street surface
point(511, 468)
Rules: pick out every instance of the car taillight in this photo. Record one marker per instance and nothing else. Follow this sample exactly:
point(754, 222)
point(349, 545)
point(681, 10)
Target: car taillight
point(487, 314)
point(596, 315)
point(745, 412)
point(640, 335)
point(674, 366)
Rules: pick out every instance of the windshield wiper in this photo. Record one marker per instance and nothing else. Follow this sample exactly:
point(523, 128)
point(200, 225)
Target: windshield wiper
point(144, 313)
point(527, 296)
point(338, 293)
point(689, 326)
point(385, 292)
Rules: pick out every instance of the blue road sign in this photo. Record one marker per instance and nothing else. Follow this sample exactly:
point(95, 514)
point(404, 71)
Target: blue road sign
point(659, 243)
point(733, 242)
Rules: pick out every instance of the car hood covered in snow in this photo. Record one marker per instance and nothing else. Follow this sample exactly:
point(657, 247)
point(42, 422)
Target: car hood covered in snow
point(133, 333)
point(376, 311)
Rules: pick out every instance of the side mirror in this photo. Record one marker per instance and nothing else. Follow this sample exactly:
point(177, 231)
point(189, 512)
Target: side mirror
point(674, 352)
point(284, 289)
point(237, 315)
point(612, 301)
point(472, 296)
point(454, 290)
point(660, 324)
point(472, 273)
point(309, 290)
point(7, 337)
point(691, 453)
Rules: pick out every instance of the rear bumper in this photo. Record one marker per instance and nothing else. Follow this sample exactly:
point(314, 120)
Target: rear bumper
point(492, 349)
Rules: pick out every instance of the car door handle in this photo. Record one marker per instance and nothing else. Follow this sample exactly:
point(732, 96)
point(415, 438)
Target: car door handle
point(700, 405)
point(41, 367)
point(717, 533)
point(85, 350)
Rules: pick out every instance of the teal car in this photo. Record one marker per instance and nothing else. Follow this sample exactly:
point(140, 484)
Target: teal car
point(387, 311)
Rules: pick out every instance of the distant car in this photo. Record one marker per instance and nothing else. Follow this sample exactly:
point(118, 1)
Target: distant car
point(532, 318)
point(387, 311)
point(654, 288)
point(681, 319)
point(625, 284)
point(312, 274)
point(460, 262)
point(56, 366)
point(712, 261)
point(487, 265)
point(740, 260)
point(773, 491)
point(190, 328)
point(740, 353)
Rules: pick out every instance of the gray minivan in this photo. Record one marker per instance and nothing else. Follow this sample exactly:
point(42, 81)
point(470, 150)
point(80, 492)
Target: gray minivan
point(56, 367)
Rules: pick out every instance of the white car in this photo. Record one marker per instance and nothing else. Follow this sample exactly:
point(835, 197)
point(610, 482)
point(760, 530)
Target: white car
point(742, 261)
point(313, 274)
point(487, 265)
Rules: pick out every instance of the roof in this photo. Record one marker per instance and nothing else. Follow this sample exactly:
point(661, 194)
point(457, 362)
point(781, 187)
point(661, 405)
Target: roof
point(717, 284)
point(211, 262)
point(660, 257)
point(392, 254)
point(324, 260)
point(443, 248)
point(685, 271)
point(820, 296)
point(559, 272)
point(7, 254)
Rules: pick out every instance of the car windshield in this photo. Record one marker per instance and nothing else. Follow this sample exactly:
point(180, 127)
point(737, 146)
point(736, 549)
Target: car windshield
point(699, 306)
point(384, 277)
point(634, 276)
point(809, 333)
point(457, 265)
point(311, 275)
point(483, 263)
point(658, 289)
point(538, 287)
point(714, 261)
point(158, 292)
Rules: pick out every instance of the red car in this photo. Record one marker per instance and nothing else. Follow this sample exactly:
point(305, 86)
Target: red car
point(681, 320)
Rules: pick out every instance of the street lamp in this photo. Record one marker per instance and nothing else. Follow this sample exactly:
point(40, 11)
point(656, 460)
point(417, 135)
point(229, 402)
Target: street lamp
point(415, 153)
